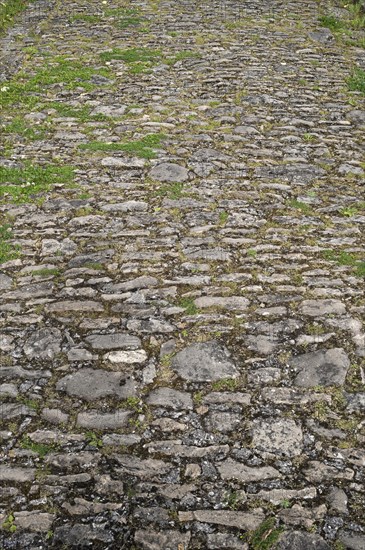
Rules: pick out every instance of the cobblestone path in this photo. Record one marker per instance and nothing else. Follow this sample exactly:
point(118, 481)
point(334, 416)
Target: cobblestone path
point(182, 278)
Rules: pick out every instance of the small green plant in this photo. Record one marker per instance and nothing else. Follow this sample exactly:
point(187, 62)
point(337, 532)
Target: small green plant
point(139, 59)
point(309, 137)
point(266, 535)
point(9, 524)
point(285, 503)
point(40, 448)
point(299, 205)
point(252, 253)
point(135, 404)
point(174, 191)
point(332, 22)
point(143, 148)
point(7, 250)
point(9, 9)
point(223, 217)
point(356, 82)
point(189, 306)
point(22, 184)
point(346, 258)
point(224, 384)
point(93, 440)
point(349, 211)
point(198, 397)
point(45, 272)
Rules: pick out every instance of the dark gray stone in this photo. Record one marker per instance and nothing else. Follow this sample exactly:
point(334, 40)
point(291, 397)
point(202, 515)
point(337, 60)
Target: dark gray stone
point(321, 368)
point(299, 540)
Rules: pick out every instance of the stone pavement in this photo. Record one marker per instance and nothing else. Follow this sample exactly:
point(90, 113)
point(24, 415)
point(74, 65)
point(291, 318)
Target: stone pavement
point(182, 286)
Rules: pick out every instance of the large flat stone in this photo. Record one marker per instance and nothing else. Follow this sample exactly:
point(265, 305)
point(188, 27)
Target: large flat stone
point(321, 368)
point(241, 520)
point(91, 384)
point(34, 521)
point(169, 172)
point(166, 540)
point(320, 308)
point(230, 469)
point(280, 437)
point(103, 421)
point(204, 362)
point(17, 475)
point(117, 340)
point(234, 303)
point(170, 398)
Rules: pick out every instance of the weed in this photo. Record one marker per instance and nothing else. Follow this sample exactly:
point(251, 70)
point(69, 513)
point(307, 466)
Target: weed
point(346, 258)
point(134, 403)
point(309, 137)
point(10, 9)
point(349, 211)
point(173, 191)
point(140, 59)
point(45, 272)
point(302, 206)
point(223, 217)
point(189, 306)
point(85, 17)
point(198, 397)
point(21, 184)
point(332, 22)
point(20, 128)
point(224, 384)
point(142, 148)
point(24, 90)
point(9, 524)
point(252, 253)
point(266, 535)
point(40, 448)
point(93, 440)
point(356, 82)
point(7, 250)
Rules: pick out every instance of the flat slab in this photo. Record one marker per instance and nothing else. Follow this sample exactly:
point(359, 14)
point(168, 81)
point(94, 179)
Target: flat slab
point(321, 368)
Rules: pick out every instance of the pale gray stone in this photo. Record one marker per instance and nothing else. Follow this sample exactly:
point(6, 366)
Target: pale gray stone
point(166, 540)
point(170, 398)
point(321, 368)
point(317, 472)
point(149, 469)
point(34, 521)
point(231, 303)
point(17, 475)
point(103, 421)
point(76, 306)
point(204, 362)
point(223, 422)
point(128, 206)
point(280, 437)
point(169, 172)
point(320, 308)
point(230, 469)
point(117, 340)
point(126, 357)
point(247, 521)
point(5, 282)
point(337, 500)
point(55, 416)
point(150, 326)
point(91, 384)
point(123, 163)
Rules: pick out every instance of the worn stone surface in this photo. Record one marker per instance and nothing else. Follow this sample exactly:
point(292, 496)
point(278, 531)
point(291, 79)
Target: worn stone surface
point(181, 275)
point(204, 363)
point(280, 437)
point(321, 368)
